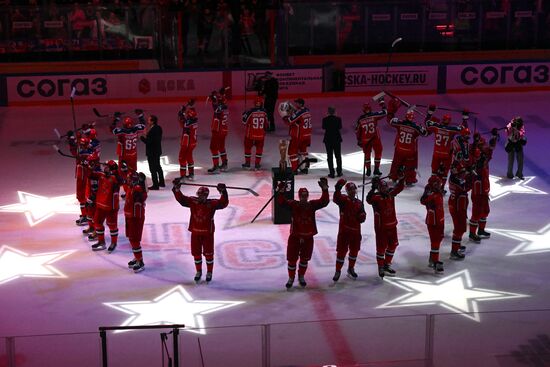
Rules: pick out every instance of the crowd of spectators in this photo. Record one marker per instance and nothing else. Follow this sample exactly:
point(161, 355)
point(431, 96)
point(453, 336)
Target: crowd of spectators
point(246, 27)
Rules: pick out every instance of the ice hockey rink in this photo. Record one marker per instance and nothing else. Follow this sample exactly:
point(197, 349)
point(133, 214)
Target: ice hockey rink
point(492, 309)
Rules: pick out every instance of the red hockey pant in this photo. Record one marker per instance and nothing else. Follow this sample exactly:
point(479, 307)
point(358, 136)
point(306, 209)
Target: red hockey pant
point(186, 159)
point(248, 144)
point(297, 151)
point(406, 159)
point(458, 207)
point(134, 230)
point(480, 212)
point(203, 244)
point(298, 248)
point(217, 148)
point(386, 244)
point(436, 236)
point(111, 216)
point(347, 241)
point(376, 145)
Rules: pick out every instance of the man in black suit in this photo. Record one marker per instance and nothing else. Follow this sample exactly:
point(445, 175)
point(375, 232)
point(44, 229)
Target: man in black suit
point(153, 150)
point(332, 125)
point(270, 92)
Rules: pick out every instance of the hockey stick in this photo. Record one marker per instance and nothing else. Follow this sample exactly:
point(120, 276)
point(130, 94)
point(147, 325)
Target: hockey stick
point(309, 160)
point(100, 115)
point(73, 92)
point(181, 182)
point(407, 104)
point(96, 112)
point(447, 109)
point(58, 150)
point(369, 182)
point(395, 42)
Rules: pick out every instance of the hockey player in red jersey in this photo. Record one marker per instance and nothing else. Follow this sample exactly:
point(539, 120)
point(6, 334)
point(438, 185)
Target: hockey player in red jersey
point(368, 135)
point(435, 219)
point(219, 129)
point(444, 135)
point(405, 143)
point(382, 199)
point(107, 205)
point(134, 215)
point(91, 193)
point(83, 151)
point(201, 224)
point(299, 125)
point(255, 120)
point(459, 184)
point(127, 140)
point(302, 228)
point(482, 153)
point(352, 214)
point(188, 121)
point(127, 137)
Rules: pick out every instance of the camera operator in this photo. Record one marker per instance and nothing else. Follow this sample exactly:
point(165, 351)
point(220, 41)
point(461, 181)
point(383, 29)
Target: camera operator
point(514, 146)
point(268, 87)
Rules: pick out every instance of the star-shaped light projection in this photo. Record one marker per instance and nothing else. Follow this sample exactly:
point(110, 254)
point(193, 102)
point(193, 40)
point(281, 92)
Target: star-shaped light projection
point(350, 162)
point(531, 242)
point(167, 167)
point(501, 187)
point(173, 307)
point(454, 292)
point(38, 208)
point(16, 264)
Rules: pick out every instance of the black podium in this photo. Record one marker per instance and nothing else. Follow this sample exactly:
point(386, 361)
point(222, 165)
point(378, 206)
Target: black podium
point(279, 214)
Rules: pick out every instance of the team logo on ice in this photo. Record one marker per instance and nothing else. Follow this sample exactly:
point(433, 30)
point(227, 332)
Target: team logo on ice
point(16, 264)
point(173, 307)
point(455, 293)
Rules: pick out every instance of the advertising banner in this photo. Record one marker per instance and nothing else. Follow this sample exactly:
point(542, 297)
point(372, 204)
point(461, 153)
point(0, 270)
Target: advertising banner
point(291, 81)
point(399, 78)
point(111, 86)
point(494, 76)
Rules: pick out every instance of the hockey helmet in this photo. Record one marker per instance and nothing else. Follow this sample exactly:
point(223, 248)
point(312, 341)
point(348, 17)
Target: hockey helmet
point(518, 121)
point(128, 122)
point(446, 119)
point(259, 101)
point(300, 102)
point(84, 141)
point(203, 192)
point(367, 107)
point(191, 113)
point(434, 181)
point(383, 186)
point(303, 194)
point(465, 132)
point(94, 157)
point(113, 166)
point(351, 189)
point(92, 134)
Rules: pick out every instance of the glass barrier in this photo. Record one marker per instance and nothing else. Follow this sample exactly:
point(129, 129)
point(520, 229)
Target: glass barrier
point(349, 342)
point(225, 34)
point(489, 339)
point(511, 339)
point(225, 346)
point(443, 25)
point(80, 31)
point(79, 349)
